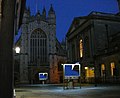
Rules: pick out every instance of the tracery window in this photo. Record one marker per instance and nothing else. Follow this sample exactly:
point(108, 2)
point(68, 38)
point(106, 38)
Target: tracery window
point(38, 47)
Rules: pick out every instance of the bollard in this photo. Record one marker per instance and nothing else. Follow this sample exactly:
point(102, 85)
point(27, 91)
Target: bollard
point(14, 94)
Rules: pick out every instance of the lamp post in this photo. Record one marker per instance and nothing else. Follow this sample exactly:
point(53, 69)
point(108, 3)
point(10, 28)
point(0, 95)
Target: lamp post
point(23, 68)
point(16, 65)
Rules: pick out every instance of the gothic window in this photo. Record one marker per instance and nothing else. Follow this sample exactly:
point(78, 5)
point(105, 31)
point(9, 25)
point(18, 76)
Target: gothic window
point(38, 47)
point(81, 48)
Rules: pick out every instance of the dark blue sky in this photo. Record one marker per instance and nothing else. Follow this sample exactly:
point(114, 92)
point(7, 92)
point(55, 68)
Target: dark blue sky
point(66, 10)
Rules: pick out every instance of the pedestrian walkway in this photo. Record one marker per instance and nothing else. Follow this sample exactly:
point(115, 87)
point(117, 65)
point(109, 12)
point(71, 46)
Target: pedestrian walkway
point(59, 92)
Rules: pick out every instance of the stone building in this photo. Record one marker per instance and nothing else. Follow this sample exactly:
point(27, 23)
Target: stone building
point(94, 41)
point(40, 51)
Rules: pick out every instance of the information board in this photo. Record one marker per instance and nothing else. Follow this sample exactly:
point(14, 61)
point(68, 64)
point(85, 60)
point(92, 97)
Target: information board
point(71, 71)
point(43, 76)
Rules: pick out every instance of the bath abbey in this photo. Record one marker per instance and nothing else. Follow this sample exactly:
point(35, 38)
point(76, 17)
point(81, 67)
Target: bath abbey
point(40, 51)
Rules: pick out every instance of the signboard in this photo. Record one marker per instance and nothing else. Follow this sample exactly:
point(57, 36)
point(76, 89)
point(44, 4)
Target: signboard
point(71, 71)
point(43, 76)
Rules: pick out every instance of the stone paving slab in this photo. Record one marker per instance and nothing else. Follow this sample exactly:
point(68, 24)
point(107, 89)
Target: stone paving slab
point(85, 92)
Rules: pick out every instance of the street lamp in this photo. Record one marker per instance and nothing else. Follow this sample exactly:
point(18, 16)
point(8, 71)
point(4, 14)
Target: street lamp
point(17, 65)
point(22, 65)
point(17, 49)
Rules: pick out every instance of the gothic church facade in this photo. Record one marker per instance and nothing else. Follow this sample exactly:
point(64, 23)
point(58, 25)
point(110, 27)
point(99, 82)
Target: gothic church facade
point(40, 50)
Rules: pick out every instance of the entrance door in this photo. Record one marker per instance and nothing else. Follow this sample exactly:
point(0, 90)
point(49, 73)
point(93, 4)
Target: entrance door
point(89, 74)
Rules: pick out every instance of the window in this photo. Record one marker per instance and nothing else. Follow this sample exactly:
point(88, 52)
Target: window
point(81, 48)
point(89, 72)
point(112, 68)
point(38, 47)
point(102, 70)
point(73, 52)
point(86, 47)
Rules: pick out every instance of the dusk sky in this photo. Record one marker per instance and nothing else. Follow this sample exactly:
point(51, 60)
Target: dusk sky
point(66, 10)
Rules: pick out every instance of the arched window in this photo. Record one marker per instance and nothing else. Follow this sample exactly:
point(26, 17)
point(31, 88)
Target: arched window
point(81, 47)
point(38, 47)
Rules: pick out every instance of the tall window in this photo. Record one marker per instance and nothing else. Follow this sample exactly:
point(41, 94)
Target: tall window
point(112, 68)
point(102, 70)
point(38, 47)
point(73, 52)
point(87, 47)
point(81, 48)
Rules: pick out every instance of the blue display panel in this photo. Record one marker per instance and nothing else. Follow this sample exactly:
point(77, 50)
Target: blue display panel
point(71, 70)
point(43, 76)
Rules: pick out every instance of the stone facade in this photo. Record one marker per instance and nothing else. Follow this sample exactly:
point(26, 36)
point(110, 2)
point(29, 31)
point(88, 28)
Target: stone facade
point(93, 40)
point(39, 48)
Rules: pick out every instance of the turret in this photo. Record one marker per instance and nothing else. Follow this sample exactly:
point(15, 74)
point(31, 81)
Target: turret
point(44, 12)
point(26, 15)
point(38, 13)
point(51, 16)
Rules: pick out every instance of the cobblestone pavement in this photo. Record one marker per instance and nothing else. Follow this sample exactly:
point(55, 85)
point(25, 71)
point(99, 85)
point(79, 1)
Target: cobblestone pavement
point(59, 92)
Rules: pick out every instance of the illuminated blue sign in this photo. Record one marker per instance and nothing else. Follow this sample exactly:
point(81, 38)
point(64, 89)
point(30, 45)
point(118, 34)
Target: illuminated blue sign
point(71, 70)
point(43, 76)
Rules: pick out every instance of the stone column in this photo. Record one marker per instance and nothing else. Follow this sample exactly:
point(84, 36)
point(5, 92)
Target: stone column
point(6, 48)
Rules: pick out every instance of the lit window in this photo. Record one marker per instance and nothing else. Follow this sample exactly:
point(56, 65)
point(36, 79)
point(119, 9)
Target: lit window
point(102, 70)
point(81, 48)
point(112, 68)
point(89, 72)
